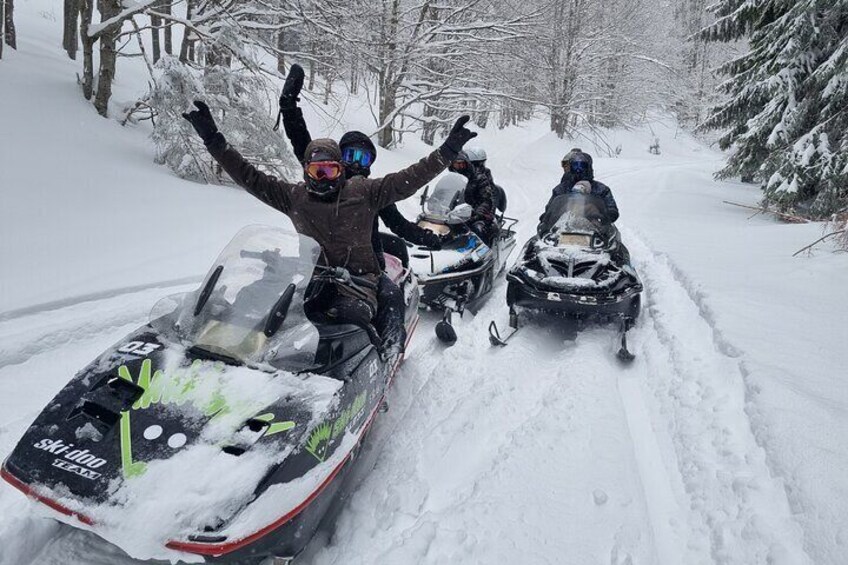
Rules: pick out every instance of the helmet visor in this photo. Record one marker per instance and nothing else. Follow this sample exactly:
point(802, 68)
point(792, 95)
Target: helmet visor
point(321, 170)
point(579, 167)
point(357, 155)
point(459, 165)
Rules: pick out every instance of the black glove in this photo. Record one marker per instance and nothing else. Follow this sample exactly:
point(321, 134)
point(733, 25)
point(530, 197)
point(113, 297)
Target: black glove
point(203, 122)
point(292, 87)
point(445, 239)
point(458, 136)
point(433, 241)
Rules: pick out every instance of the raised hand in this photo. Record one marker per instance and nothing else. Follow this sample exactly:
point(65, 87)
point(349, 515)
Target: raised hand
point(459, 135)
point(292, 87)
point(202, 120)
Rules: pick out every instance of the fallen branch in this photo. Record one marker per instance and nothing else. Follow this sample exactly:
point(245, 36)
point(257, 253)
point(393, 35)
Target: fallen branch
point(816, 242)
point(760, 209)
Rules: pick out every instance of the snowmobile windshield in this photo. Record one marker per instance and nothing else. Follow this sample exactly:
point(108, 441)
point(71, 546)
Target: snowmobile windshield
point(574, 212)
point(250, 307)
point(447, 195)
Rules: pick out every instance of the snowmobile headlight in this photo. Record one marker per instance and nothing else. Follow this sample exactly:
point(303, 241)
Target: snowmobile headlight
point(575, 239)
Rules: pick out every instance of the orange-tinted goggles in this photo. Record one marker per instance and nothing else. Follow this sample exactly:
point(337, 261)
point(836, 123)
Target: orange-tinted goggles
point(320, 170)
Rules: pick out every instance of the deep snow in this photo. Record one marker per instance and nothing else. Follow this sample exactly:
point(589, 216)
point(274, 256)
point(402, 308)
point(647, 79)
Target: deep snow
point(725, 442)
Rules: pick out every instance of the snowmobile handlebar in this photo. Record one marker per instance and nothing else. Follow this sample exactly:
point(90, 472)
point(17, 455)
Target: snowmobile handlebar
point(342, 276)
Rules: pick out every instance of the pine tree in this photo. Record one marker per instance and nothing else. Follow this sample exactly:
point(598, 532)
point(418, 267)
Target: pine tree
point(785, 113)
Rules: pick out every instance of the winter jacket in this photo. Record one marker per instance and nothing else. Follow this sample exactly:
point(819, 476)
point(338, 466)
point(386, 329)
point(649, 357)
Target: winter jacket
point(598, 189)
point(342, 225)
point(480, 195)
point(299, 136)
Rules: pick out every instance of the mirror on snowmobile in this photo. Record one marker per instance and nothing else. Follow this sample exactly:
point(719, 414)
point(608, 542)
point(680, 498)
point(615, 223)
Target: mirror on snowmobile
point(278, 314)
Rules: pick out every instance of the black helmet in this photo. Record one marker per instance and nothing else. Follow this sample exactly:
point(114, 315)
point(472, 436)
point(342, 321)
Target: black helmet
point(358, 153)
point(578, 164)
point(323, 170)
point(462, 164)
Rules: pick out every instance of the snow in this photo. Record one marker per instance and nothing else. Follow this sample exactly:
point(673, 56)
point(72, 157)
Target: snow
point(724, 442)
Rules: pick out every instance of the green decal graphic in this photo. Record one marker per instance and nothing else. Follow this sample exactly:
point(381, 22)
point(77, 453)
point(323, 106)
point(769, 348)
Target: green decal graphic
point(275, 427)
point(131, 468)
point(176, 389)
point(319, 439)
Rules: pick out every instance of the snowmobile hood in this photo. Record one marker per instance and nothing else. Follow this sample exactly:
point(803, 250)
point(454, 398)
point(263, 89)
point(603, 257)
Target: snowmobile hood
point(149, 421)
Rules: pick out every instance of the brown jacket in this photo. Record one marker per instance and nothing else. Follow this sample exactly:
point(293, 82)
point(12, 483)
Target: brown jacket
point(342, 226)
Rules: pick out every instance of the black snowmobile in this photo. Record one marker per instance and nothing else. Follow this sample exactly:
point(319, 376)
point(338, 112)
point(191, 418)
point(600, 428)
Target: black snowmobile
point(235, 384)
point(461, 273)
point(576, 267)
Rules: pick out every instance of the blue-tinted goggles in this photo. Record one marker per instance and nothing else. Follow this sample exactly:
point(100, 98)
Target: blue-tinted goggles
point(579, 167)
point(357, 155)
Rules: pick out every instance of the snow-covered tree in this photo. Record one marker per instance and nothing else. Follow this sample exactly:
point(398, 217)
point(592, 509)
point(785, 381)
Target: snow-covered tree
point(787, 97)
point(243, 104)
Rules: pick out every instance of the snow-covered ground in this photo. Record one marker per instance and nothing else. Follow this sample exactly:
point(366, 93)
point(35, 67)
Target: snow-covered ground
point(725, 442)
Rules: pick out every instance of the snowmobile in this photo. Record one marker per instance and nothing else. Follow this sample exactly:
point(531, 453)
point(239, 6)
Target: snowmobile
point(576, 267)
point(462, 272)
point(227, 423)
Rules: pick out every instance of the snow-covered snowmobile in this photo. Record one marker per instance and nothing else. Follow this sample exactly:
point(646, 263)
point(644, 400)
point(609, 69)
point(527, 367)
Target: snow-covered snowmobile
point(461, 273)
point(223, 427)
point(576, 267)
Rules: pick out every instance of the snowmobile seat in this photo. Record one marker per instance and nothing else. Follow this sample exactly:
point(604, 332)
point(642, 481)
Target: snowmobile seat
point(394, 268)
point(338, 343)
point(393, 245)
point(500, 199)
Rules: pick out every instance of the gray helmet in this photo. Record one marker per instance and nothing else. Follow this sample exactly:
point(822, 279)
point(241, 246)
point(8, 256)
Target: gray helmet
point(475, 154)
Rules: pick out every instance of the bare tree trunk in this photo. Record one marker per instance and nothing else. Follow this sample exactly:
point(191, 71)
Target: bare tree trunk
point(388, 88)
point(169, 38)
point(11, 37)
point(86, 13)
point(328, 89)
point(70, 39)
point(2, 26)
point(281, 59)
point(387, 108)
point(186, 48)
point(155, 24)
point(108, 56)
point(428, 133)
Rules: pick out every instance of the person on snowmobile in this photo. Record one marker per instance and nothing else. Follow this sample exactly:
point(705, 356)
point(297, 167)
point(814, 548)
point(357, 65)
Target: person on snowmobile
point(335, 211)
point(358, 154)
point(578, 166)
point(579, 176)
point(481, 193)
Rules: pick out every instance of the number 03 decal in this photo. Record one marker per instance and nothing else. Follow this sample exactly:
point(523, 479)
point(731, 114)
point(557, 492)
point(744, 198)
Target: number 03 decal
point(139, 348)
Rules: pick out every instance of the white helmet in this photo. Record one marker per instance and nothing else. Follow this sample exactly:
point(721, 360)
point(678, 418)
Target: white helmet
point(475, 154)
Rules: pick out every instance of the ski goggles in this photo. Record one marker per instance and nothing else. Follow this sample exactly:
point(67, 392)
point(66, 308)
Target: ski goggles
point(358, 155)
point(578, 167)
point(321, 170)
point(459, 165)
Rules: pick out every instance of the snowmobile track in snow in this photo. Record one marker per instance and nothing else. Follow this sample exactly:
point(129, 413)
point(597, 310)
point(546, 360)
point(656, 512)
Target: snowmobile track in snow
point(738, 506)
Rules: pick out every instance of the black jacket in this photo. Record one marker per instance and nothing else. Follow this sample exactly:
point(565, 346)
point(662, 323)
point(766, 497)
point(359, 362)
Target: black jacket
point(299, 136)
point(598, 189)
point(480, 195)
